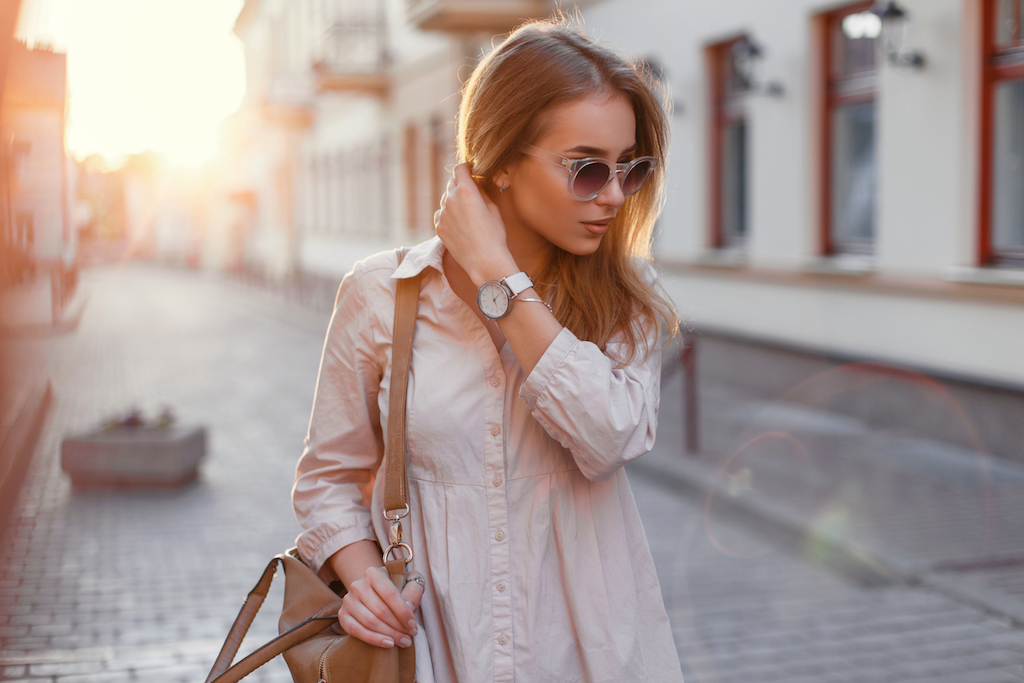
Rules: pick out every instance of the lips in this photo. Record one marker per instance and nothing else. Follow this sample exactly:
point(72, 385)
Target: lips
point(598, 227)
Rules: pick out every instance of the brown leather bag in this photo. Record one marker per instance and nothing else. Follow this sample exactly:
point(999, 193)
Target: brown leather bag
point(313, 644)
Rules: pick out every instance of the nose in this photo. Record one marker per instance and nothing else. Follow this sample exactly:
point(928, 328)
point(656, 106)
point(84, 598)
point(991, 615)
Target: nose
point(612, 194)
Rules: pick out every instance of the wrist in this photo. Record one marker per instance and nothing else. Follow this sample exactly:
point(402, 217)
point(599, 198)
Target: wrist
point(494, 271)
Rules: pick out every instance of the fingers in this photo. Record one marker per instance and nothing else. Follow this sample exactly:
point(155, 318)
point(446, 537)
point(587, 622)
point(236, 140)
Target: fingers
point(461, 174)
point(375, 612)
point(414, 589)
point(357, 620)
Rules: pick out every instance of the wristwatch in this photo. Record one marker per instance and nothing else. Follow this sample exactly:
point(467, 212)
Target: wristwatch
point(495, 298)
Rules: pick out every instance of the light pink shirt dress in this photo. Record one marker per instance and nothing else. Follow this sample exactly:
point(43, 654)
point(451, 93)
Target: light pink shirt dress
point(522, 520)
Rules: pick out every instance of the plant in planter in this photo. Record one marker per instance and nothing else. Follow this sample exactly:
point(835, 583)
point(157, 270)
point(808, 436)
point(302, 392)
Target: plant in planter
point(131, 451)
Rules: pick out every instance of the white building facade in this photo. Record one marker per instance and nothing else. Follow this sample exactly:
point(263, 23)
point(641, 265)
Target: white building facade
point(871, 210)
point(857, 194)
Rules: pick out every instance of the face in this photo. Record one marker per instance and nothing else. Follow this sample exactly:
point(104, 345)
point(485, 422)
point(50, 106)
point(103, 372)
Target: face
point(537, 208)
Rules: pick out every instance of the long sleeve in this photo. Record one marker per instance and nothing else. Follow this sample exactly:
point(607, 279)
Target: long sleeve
point(344, 445)
point(605, 415)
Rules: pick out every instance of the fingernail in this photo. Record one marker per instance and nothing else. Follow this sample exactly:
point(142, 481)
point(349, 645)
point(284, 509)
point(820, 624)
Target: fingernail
point(410, 605)
point(405, 642)
point(387, 642)
point(415, 630)
point(411, 623)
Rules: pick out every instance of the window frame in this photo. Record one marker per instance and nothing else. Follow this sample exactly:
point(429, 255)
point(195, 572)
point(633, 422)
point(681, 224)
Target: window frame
point(724, 110)
point(997, 66)
point(833, 91)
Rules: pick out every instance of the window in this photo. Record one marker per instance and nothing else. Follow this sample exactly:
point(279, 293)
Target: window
point(1002, 157)
point(728, 154)
point(22, 153)
point(384, 151)
point(411, 163)
point(848, 126)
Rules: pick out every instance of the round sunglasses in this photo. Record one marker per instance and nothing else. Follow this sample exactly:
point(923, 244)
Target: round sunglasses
point(588, 177)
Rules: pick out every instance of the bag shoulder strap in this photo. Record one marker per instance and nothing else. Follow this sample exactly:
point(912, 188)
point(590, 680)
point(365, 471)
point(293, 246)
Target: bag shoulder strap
point(396, 482)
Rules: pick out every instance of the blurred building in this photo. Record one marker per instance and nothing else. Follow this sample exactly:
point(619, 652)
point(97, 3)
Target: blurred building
point(346, 137)
point(841, 187)
point(30, 80)
point(38, 229)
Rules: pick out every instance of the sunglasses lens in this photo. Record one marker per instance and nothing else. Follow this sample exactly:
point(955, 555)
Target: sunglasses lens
point(636, 178)
point(590, 179)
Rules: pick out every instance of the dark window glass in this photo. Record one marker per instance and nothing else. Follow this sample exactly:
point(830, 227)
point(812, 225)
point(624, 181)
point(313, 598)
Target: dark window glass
point(853, 176)
point(734, 182)
point(1008, 168)
point(853, 84)
point(1008, 20)
point(730, 135)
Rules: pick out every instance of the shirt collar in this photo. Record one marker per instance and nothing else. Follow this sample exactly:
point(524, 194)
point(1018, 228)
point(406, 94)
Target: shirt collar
point(417, 259)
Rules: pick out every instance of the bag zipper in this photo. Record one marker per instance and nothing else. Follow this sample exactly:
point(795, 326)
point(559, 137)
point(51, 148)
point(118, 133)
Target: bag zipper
point(321, 669)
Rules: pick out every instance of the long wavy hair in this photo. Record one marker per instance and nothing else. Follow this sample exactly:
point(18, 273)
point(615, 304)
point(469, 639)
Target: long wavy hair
point(605, 295)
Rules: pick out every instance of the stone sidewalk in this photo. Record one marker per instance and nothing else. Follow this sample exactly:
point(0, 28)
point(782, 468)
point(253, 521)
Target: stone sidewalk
point(143, 585)
point(882, 504)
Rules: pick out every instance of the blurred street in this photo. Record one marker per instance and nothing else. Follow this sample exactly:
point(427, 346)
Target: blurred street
point(103, 587)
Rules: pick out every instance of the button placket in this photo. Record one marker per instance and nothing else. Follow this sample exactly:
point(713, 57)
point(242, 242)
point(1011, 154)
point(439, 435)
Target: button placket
point(497, 521)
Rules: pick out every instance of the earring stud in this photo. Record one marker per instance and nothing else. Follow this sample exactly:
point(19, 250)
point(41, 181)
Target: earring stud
point(503, 188)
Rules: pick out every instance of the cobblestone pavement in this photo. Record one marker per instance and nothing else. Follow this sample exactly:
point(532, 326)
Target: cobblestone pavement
point(142, 586)
point(917, 509)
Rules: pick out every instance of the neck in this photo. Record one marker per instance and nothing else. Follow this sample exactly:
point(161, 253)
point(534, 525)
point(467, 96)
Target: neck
point(529, 250)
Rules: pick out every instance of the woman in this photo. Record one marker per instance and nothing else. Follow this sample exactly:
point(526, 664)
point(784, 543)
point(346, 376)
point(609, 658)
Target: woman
point(533, 558)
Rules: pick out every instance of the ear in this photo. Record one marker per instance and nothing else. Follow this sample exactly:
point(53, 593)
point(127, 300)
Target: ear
point(502, 178)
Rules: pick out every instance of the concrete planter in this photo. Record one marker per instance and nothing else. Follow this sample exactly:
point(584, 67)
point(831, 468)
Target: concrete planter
point(134, 456)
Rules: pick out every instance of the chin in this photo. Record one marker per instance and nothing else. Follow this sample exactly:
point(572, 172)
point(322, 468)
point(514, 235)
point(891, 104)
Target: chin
point(583, 247)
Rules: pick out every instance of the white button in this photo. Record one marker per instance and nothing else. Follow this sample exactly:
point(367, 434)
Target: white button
point(503, 640)
point(495, 381)
point(499, 536)
point(495, 430)
point(496, 481)
point(501, 586)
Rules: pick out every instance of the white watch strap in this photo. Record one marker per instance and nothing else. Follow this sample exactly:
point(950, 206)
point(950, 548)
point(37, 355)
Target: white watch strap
point(518, 283)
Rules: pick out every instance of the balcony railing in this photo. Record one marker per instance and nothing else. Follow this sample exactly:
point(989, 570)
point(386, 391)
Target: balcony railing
point(286, 101)
point(473, 16)
point(353, 55)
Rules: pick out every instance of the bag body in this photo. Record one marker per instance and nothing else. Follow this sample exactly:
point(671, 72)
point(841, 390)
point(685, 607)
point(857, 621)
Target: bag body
point(333, 656)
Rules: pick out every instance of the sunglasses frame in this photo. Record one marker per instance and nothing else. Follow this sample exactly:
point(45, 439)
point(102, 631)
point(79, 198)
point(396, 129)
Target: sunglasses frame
point(617, 170)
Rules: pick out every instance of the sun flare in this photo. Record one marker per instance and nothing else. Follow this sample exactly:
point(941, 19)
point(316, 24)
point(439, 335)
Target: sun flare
point(143, 74)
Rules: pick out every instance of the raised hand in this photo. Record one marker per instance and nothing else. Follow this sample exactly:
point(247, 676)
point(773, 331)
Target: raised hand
point(471, 227)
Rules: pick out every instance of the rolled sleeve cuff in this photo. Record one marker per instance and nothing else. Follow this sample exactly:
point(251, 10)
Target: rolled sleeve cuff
point(546, 367)
point(318, 544)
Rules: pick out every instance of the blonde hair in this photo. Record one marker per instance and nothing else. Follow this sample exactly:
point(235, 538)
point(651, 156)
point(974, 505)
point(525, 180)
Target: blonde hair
point(539, 66)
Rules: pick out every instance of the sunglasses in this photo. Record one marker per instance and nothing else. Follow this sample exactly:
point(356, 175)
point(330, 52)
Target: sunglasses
point(588, 177)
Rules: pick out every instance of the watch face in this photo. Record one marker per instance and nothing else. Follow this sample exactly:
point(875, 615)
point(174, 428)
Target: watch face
point(493, 300)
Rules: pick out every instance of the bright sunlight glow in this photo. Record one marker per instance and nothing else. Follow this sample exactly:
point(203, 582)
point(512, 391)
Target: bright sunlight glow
point(143, 74)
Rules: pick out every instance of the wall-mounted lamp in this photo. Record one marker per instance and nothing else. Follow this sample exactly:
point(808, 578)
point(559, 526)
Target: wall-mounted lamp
point(894, 33)
point(746, 59)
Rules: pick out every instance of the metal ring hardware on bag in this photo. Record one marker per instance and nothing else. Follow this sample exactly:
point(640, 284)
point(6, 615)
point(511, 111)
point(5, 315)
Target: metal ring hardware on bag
point(404, 546)
point(395, 533)
point(401, 513)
